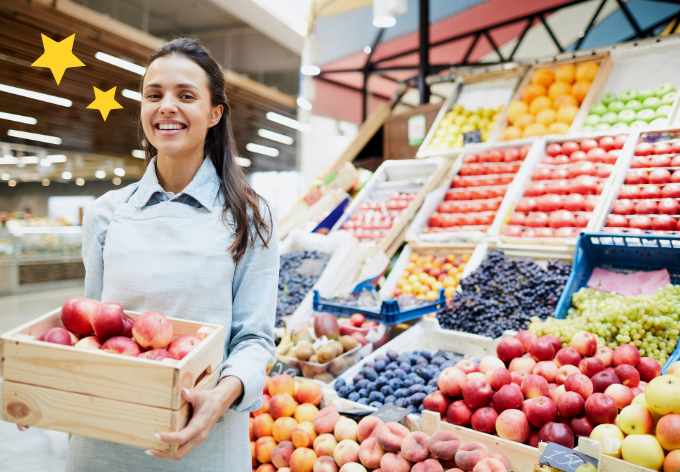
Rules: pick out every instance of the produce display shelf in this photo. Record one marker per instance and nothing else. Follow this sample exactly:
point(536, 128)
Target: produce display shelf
point(623, 254)
point(389, 313)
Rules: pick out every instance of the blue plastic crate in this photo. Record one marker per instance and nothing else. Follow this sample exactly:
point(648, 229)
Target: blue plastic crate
point(620, 253)
point(389, 313)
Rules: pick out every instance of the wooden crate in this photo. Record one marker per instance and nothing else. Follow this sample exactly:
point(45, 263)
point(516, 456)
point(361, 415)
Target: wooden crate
point(395, 131)
point(102, 395)
point(591, 448)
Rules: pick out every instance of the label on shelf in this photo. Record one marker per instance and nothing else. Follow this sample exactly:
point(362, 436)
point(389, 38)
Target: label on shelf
point(417, 129)
point(389, 413)
point(472, 137)
point(564, 459)
point(280, 367)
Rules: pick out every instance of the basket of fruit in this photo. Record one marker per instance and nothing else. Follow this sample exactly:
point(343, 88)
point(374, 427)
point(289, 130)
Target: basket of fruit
point(121, 384)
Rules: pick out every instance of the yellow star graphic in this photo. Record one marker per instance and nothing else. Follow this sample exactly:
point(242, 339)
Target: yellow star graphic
point(58, 56)
point(104, 101)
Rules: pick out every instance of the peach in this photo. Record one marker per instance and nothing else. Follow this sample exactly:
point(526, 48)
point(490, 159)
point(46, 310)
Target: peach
point(266, 468)
point(325, 464)
point(498, 457)
point(414, 447)
point(352, 467)
point(251, 420)
point(282, 383)
point(547, 370)
point(305, 412)
point(390, 436)
point(263, 449)
point(394, 462)
point(325, 420)
point(370, 453)
point(309, 392)
point(267, 380)
point(451, 381)
point(522, 363)
point(262, 425)
point(345, 452)
point(281, 454)
point(265, 405)
point(302, 459)
point(303, 435)
point(430, 465)
point(345, 428)
point(282, 404)
point(489, 465)
point(283, 427)
point(490, 362)
point(324, 444)
point(564, 372)
point(368, 427)
point(444, 445)
point(668, 432)
point(252, 454)
point(296, 386)
point(671, 463)
point(497, 377)
point(470, 453)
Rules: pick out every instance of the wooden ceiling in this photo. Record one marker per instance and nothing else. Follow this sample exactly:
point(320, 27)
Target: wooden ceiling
point(84, 130)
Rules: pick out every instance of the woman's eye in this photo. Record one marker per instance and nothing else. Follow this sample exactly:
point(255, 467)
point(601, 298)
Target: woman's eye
point(153, 95)
point(186, 95)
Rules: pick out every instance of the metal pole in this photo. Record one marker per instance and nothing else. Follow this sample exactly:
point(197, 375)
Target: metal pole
point(424, 51)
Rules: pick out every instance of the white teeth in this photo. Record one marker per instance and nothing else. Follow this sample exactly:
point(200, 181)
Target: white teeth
point(169, 126)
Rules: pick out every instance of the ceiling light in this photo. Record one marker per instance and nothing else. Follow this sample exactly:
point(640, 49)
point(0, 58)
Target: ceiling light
point(57, 158)
point(311, 56)
point(34, 136)
point(66, 175)
point(12, 183)
point(283, 120)
point(20, 118)
point(80, 181)
point(384, 21)
point(120, 172)
point(35, 176)
point(131, 94)
point(100, 174)
point(45, 182)
point(304, 104)
point(123, 64)
point(8, 160)
point(138, 153)
point(116, 181)
point(279, 138)
point(36, 95)
point(45, 162)
point(29, 160)
point(385, 10)
point(5, 176)
point(266, 150)
point(242, 161)
point(367, 49)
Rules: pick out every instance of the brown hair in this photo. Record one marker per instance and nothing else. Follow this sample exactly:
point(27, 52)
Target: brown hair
point(239, 197)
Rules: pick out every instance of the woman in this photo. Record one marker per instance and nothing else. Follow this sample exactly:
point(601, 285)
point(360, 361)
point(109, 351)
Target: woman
point(191, 240)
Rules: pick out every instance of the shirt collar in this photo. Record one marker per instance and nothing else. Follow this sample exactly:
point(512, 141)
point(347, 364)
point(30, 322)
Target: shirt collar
point(203, 187)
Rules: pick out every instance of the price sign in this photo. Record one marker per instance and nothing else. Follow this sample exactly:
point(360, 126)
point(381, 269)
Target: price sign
point(389, 413)
point(313, 196)
point(563, 458)
point(417, 129)
point(448, 355)
point(472, 137)
point(280, 367)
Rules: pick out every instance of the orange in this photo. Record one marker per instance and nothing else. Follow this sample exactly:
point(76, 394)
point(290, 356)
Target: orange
point(566, 73)
point(511, 132)
point(557, 89)
point(545, 116)
point(564, 100)
point(534, 129)
point(515, 109)
point(566, 113)
point(587, 71)
point(539, 103)
point(543, 77)
point(580, 90)
point(532, 91)
point(524, 120)
point(557, 128)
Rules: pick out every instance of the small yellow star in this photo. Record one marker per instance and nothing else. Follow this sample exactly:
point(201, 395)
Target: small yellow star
point(104, 101)
point(58, 56)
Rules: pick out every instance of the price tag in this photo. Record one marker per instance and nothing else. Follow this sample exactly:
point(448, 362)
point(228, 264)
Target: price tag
point(472, 137)
point(417, 129)
point(389, 413)
point(280, 367)
point(312, 197)
point(448, 355)
point(563, 458)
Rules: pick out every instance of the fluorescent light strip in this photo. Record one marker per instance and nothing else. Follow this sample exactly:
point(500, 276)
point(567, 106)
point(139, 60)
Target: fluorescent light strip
point(66, 175)
point(123, 64)
point(279, 138)
point(43, 97)
point(266, 150)
point(19, 118)
point(33, 136)
point(100, 174)
point(131, 94)
point(283, 120)
point(138, 153)
point(45, 162)
point(242, 161)
point(304, 103)
point(120, 172)
point(57, 158)
point(8, 160)
point(30, 160)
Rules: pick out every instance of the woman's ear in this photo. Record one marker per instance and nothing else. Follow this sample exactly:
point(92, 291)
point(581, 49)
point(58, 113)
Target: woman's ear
point(216, 115)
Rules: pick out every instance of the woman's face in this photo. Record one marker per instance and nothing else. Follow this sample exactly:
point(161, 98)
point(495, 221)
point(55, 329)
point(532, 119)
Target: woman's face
point(176, 105)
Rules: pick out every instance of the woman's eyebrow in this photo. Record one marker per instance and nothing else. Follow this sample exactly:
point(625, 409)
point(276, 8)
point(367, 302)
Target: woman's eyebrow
point(178, 86)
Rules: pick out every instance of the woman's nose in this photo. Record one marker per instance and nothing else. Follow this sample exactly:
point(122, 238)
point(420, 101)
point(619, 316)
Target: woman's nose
point(168, 105)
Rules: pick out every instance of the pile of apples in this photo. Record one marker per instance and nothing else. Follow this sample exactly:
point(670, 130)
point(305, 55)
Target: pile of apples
point(565, 188)
point(477, 191)
point(298, 437)
point(373, 220)
point(426, 274)
point(104, 326)
point(649, 199)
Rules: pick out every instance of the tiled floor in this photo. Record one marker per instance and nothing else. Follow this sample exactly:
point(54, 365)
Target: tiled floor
point(35, 450)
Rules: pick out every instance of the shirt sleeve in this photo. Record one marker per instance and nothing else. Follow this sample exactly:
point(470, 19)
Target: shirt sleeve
point(251, 346)
point(93, 257)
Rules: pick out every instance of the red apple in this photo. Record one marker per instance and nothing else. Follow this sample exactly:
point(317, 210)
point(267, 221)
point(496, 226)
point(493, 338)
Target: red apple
point(580, 384)
point(535, 386)
point(357, 319)
point(75, 314)
point(590, 366)
point(601, 408)
point(648, 368)
point(604, 379)
point(628, 375)
point(121, 345)
point(152, 330)
point(604, 353)
point(567, 356)
point(182, 345)
point(155, 355)
point(128, 325)
point(513, 425)
point(626, 354)
point(518, 376)
point(361, 339)
point(59, 336)
point(584, 342)
point(107, 320)
point(564, 372)
point(509, 348)
point(437, 401)
point(570, 404)
point(459, 413)
point(508, 397)
point(557, 433)
point(621, 394)
point(547, 370)
point(477, 393)
point(554, 340)
point(90, 342)
point(497, 377)
point(527, 338)
point(581, 426)
point(468, 366)
point(484, 420)
point(540, 410)
point(542, 350)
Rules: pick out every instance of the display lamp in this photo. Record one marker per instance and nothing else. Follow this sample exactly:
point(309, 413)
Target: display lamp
point(384, 12)
point(311, 55)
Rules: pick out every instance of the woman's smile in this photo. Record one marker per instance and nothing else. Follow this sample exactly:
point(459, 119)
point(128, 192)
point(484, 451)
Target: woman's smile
point(167, 128)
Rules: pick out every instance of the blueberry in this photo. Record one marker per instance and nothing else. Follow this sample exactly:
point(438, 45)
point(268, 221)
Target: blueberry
point(340, 383)
point(376, 397)
point(417, 398)
point(414, 360)
point(344, 391)
point(371, 387)
point(399, 402)
point(363, 401)
point(412, 409)
point(415, 352)
point(439, 360)
point(362, 383)
point(426, 354)
point(403, 358)
point(412, 375)
point(392, 354)
point(407, 383)
point(387, 390)
point(414, 389)
point(392, 366)
point(388, 374)
point(395, 383)
point(400, 392)
point(385, 359)
point(375, 404)
point(446, 364)
point(380, 382)
point(399, 373)
point(363, 392)
point(380, 366)
point(390, 399)
point(433, 382)
point(421, 408)
point(357, 378)
point(369, 373)
point(422, 361)
point(418, 380)
point(369, 364)
point(430, 389)
point(425, 374)
point(405, 366)
point(354, 396)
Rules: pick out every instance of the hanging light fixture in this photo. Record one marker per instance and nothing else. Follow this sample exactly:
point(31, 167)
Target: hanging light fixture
point(307, 93)
point(311, 55)
point(384, 12)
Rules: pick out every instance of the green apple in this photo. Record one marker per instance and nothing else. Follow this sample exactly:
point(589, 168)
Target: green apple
point(598, 109)
point(608, 97)
point(587, 129)
point(646, 114)
point(634, 105)
point(644, 94)
point(616, 106)
point(652, 103)
point(626, 116)
point(620, 125)
point(663, 89)
point(663, 111)
point(609, 118)
point(639, 124)
point(592, 120)
point(629, 94)
point(669, 98)
point(603, 127)
point(659, 123)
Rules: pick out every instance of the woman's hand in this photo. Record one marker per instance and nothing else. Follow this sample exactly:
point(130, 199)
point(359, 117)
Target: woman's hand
point(208, 407)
